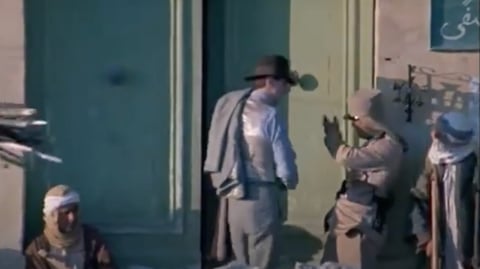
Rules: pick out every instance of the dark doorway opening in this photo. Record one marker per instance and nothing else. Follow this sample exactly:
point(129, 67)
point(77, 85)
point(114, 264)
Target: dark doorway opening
point(213, 88)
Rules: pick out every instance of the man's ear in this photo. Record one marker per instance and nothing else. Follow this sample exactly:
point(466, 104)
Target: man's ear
point(268, 82)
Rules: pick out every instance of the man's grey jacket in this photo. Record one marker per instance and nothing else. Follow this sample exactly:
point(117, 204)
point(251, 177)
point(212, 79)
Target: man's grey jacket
point(222, 147)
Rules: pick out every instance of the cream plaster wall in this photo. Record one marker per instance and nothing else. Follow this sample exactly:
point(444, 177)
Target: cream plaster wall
point(11, 90)
point(402, 38)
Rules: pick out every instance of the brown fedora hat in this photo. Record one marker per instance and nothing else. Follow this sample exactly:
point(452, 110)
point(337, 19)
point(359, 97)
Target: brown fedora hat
point(275, 66)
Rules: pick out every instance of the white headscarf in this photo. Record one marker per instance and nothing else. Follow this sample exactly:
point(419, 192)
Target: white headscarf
point(55, 198)
point(52, 203)
point(457, 143)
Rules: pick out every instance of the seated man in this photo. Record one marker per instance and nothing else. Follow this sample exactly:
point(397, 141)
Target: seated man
point(65, 242)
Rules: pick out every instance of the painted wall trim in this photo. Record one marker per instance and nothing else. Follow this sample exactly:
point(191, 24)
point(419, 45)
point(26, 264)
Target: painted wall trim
point(12, 180)
point(197, 93)
point(359, 52)
point(177, 118)
point(179, 65)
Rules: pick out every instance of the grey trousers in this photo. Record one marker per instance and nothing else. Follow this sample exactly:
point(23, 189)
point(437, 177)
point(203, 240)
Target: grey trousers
point(254, 226)
point(257, 250)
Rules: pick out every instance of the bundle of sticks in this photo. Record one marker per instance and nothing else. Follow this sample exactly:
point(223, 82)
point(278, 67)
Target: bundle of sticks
point(21, 132)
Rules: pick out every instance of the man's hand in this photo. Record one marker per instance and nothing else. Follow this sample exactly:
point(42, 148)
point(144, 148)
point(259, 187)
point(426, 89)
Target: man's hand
point(467, 264)
point(331, 127)
point(333, 137)
point(429, 248)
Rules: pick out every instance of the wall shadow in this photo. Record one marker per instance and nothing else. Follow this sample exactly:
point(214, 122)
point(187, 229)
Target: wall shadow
point(227, 60)
point(298, 245)
point(438, 93)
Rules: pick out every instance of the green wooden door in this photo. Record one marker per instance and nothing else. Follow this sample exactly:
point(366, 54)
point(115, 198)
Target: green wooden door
point(115, 89)
point(330, 45)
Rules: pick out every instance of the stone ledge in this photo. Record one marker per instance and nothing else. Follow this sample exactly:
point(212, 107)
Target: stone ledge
point(11, 259)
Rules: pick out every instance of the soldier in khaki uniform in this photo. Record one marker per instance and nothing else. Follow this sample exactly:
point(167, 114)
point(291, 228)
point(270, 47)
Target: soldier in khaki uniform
point(356, 222)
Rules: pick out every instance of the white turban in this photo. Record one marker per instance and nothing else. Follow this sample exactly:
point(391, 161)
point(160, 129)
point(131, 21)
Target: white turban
point(57, 197)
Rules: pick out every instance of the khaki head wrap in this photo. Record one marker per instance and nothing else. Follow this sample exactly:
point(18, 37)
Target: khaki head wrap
point(366, 104)
point(55, 198)
point(363, 102)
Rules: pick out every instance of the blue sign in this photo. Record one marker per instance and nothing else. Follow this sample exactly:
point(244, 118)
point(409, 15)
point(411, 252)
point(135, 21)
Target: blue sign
point(454, 25)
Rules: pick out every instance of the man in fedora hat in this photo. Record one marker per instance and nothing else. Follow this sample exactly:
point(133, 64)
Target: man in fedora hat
point(251, 163)
point(356, 222)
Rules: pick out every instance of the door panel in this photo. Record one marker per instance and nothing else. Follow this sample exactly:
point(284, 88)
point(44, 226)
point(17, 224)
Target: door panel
point(116, 89)
point(317, 48)
point(114, 139)
point(312, 34)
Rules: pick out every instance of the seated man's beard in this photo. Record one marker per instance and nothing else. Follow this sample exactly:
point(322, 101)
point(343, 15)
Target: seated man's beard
point(67, 227)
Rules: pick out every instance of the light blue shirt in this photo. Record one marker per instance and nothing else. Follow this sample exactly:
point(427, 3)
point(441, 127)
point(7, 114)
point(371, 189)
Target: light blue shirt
point(270, 152)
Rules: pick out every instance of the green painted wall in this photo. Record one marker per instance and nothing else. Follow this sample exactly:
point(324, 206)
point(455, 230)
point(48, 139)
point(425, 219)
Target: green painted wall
point(72, 49)
point(330, 45)
point(115, 82)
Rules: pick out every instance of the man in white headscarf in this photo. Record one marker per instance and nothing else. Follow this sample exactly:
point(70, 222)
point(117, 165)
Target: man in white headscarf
point(450, 163)
point(65, 243)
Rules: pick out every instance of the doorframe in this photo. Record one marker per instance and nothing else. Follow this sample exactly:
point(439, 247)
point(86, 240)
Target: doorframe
point(197, 63)
point(359, 51)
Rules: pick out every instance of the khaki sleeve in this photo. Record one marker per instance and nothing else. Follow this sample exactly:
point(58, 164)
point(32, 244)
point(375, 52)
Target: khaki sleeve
point(420, 190)
point(419, 221)
point(419, 215)
point(372, 155)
